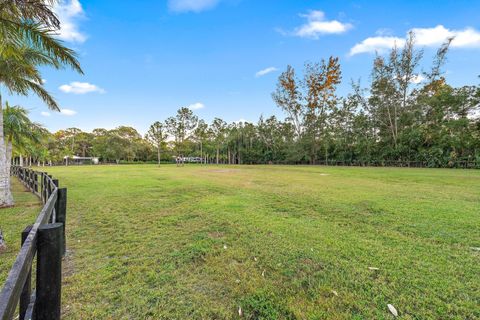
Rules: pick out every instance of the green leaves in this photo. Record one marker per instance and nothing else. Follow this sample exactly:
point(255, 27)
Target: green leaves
point(27, 34)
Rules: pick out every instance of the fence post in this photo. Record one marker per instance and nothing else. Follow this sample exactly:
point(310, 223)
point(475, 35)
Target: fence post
point(49, 186)
point(32, 181)
point(35, 184)
point(45, 187)
point(42, 186)
point(27, 287)
point(61, 210)
point(49, 272)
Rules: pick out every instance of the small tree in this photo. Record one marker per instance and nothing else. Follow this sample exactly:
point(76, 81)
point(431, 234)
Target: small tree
point(156, 135)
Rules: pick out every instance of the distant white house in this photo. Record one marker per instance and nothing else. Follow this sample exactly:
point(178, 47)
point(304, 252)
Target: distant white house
point(76, 160)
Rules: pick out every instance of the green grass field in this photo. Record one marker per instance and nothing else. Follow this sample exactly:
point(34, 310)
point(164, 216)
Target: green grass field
point(279, 242)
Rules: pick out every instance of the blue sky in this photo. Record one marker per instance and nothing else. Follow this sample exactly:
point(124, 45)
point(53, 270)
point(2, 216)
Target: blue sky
point(145, 59)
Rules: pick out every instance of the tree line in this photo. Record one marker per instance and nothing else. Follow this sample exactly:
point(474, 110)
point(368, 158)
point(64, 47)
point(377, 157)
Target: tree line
point(403, 117)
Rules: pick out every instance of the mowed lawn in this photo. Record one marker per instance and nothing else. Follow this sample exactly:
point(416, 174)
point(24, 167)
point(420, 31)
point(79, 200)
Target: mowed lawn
point(279, 242)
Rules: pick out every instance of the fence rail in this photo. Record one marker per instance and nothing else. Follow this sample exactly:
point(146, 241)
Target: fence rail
point(45, 239)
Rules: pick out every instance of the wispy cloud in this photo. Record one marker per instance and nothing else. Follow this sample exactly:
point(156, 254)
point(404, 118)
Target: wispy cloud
point(317, 25)
point(265, 71)
point(196, 106)
point(427, 37)
point(80, 88)
point(68, 112)
point(45, 114)
point(191, 5)
point(69, 12)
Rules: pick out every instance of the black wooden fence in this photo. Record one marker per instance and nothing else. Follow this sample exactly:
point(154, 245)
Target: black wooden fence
point(45, 239)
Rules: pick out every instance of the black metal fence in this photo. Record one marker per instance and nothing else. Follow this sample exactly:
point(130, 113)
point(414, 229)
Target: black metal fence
point(45, 239)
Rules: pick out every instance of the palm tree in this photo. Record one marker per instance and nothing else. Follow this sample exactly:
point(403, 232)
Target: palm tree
point(20, 132)
point(27, 35)
point(33, 23)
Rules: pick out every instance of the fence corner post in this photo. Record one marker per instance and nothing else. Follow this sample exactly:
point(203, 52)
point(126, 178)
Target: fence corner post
point(49, 272)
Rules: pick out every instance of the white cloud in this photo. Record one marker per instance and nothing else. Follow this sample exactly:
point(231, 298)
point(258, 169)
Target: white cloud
point(317, 25)
point(68, 112)
point(191, 5)
point(428, 37)
point(45, 114)
point(265, 71)
point(416, 79)
point(80, 88)
point(196, 106)
point(376, 44)
point(42, 81)
point(68, 12)
point(467, 37)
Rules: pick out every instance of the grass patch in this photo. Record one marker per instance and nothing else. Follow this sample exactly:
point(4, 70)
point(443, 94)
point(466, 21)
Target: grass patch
point(13, 221)
point(281, 242)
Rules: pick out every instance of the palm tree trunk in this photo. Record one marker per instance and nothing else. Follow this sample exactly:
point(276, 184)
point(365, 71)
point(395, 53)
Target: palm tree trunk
point(6, 198)
point(9, 155)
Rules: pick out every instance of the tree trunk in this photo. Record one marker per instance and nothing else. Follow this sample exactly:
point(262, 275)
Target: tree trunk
point(9, 155)
point(158, 155)
point(6, 198)
point(218, 154)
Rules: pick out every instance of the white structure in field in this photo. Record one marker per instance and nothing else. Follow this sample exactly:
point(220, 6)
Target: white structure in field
point(75, 160)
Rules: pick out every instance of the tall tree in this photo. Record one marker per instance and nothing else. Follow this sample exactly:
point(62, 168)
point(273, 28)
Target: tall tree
point(288, 97)
point(320, 82)
point(181, 127)
point(218, 128)
point(392, 79)
point(201, 135)
point(157, 135)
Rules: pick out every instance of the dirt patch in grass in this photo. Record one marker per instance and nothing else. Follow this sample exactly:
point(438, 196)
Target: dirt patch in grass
point(216, 234)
